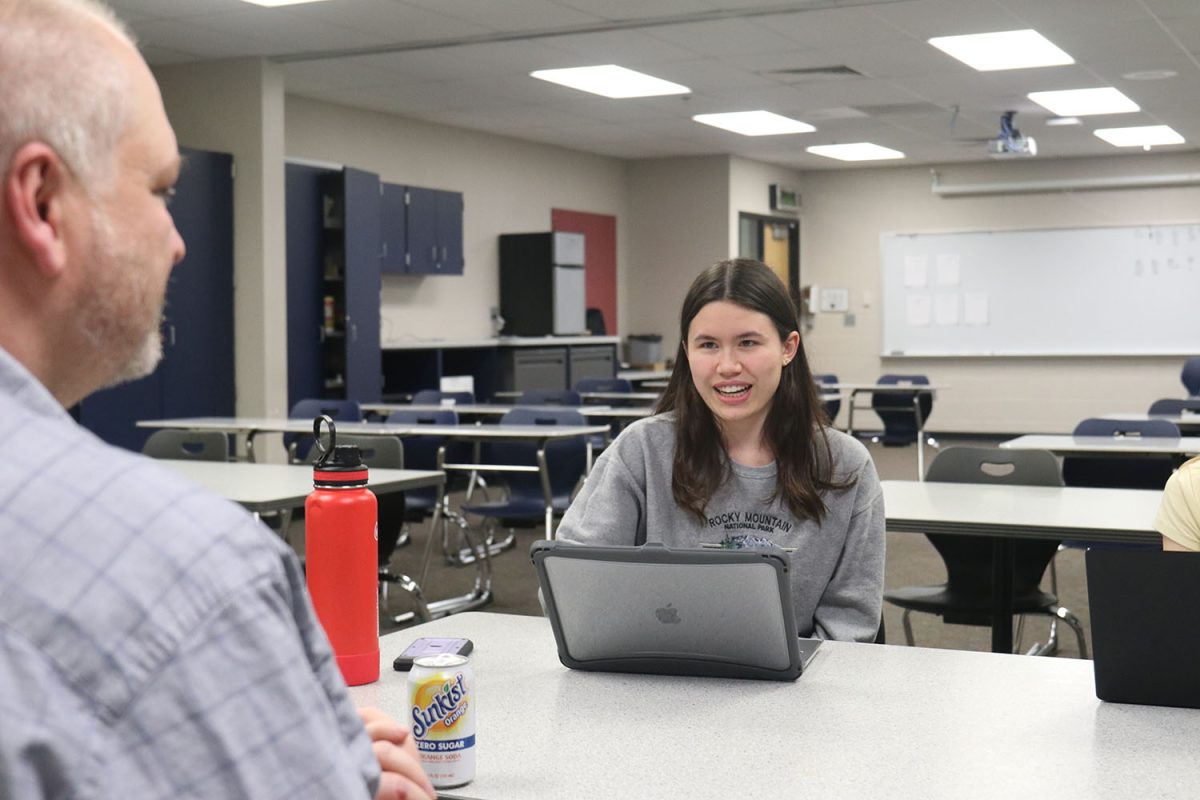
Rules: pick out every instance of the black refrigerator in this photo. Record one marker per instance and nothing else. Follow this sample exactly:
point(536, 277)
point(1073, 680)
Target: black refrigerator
point(542, 284)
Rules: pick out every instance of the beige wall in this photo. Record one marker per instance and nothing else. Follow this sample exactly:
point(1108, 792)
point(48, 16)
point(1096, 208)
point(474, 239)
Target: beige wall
point(678, 226)
point(750, 192)
point(845, 211)
point(509, 186)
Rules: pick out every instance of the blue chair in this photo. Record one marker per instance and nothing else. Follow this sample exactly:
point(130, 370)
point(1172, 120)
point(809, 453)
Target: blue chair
point(899, 410)
point(1191, 376)
point(613, 385)
point(299, 444)
point(549, 397)
point(1114, 471)
point(832, 407)
point(966, 596)
point(434, 397)
point(534, 495)
point(1175, 407)
point(1121, 471)
point(421, 452)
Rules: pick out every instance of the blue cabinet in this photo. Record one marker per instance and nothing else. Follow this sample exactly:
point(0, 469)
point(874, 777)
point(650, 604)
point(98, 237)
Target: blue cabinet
point(393, 230)
point(359, 347)
point(196, 375)
point(333, 282)
point(435, 232)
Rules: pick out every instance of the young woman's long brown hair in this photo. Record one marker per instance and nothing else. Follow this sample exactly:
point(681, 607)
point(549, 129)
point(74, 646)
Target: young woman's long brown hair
point(795, 425)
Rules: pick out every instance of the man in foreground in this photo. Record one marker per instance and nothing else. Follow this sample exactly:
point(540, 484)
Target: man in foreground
point(155, 641)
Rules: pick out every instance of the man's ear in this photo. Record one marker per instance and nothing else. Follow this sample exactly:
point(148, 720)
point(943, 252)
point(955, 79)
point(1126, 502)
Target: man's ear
point(35, 197)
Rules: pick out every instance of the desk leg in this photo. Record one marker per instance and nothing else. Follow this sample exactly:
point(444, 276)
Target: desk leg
point(920, 436)
point(1002, 592)
point(250, 445)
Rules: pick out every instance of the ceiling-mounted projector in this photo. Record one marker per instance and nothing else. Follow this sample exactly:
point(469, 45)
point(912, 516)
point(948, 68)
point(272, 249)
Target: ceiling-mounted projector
point(1010, 143)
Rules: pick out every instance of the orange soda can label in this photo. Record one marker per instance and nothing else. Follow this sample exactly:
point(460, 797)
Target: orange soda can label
point(442, 716)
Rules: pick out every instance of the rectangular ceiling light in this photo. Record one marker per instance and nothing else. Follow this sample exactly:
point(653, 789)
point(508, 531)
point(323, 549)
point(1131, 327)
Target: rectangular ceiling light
point(1141, 136)
point(1003, 50)
point(1082, 102)
point(855, 151)
point(609, 80)
point(276, 3)
point(755, 123)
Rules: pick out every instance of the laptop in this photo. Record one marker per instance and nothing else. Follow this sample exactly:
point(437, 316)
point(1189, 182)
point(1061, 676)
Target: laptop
point(652, 609)
point(1146, 645)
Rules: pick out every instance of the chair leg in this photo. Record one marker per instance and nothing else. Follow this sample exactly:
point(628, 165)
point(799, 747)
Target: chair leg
point(1066, 616)
point(908, 635)
point(1020, 634)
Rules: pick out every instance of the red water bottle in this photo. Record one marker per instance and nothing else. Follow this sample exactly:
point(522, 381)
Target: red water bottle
point(341, 535)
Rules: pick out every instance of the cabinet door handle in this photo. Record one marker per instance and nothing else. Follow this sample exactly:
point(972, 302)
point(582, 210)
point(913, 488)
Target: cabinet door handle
point(321, 334)
point(444, 253)
point(354, 332)
point(172, 329)
point(433, 253)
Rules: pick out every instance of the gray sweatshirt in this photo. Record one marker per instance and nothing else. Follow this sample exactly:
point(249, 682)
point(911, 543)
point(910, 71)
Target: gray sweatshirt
point(836, 566)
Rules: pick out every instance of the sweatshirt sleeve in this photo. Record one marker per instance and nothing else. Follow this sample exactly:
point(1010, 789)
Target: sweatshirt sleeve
point(611, 506)
point(1179, 514)
point(850, 608)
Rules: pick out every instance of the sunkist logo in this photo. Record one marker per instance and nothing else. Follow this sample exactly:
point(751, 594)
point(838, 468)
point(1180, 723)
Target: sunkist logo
point(669, 615)
point(446, 707)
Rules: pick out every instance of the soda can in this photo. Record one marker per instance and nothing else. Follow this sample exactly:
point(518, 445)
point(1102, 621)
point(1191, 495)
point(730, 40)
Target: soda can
point(441, 701)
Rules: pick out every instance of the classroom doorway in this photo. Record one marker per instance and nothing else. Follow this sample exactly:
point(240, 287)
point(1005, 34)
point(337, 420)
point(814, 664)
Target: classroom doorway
point(775, 241)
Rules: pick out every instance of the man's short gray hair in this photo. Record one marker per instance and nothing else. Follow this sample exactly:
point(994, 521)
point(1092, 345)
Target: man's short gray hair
point(61, 84)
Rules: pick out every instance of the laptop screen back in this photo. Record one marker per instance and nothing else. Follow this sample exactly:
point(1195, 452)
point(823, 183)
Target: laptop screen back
point(651, 609)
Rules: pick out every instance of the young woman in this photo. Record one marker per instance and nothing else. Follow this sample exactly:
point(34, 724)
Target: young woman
point(740, 454)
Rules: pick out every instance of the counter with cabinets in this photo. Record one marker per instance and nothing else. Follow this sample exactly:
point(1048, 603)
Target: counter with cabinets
point(504, 364)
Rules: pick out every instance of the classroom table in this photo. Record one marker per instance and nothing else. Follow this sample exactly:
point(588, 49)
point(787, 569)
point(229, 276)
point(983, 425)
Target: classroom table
point(915, 389)
point(500, 409)
point(864, 720)
point(641, 397)
point(1014, 512)
point(1066, 444)
point(261, 488)
point(252, 426)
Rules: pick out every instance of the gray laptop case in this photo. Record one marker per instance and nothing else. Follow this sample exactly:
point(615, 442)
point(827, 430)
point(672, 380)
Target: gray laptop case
point(715, 613)
point(1145, 646)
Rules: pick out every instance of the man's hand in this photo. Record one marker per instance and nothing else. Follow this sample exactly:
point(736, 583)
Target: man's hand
point(402, 778)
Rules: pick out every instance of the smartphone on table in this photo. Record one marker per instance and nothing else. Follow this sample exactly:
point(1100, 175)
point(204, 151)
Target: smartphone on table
point(430, 647)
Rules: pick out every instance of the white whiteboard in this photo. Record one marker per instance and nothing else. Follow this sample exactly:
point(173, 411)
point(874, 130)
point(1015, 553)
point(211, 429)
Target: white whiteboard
point(1080, 291)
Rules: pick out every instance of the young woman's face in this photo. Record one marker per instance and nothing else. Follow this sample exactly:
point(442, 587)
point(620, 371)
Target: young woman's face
point(737, 358)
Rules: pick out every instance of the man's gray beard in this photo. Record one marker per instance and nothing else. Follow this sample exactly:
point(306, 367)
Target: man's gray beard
point(144, 362)
point(104, 313)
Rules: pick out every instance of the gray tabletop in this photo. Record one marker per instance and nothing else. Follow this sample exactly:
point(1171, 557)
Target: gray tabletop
point(284, 425)
point(499, 410)
point(863, 721)
point(1053, 512)
point(268, 487)
point(1082, 445)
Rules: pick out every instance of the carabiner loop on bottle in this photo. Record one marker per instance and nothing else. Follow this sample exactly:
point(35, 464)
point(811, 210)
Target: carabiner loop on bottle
point(326, 453)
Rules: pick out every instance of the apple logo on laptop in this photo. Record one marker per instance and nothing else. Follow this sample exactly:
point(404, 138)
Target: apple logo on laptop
point(668, 615)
